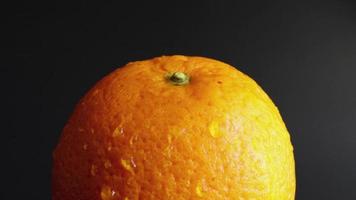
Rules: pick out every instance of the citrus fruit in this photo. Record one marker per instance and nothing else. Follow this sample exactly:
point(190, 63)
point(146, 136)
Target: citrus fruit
point(177, 128)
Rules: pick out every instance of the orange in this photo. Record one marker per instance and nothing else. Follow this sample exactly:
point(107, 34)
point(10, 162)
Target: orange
point(176, 128)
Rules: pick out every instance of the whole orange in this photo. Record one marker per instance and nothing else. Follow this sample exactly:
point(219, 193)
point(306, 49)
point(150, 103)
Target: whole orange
point(174, 127)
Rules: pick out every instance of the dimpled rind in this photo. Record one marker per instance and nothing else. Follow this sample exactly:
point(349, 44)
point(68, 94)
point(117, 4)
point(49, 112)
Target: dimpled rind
point(137, 136)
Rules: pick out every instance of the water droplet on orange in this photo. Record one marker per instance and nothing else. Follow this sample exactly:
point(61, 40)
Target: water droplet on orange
point(215, 130)
point(118, 131)
point(93, 170)
point(199, 190)
point(107, 193)
point(126, 165)
point(109, 147)
point(133, 162)
point(107, 164)
point(133, 139)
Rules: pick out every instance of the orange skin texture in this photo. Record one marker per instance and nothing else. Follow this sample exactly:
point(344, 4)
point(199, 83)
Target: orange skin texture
point(136, 136)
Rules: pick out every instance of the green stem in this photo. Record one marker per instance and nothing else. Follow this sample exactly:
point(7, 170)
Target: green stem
point(178, 78)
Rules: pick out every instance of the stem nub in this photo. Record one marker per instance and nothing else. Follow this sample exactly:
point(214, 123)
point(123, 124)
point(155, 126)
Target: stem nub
point(178, 78)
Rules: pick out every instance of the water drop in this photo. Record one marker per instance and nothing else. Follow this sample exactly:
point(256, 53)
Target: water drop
point(85, 147)
point(133, 162)
point(199, 190)
point(133, 139)
point(214, 129)
point(107, 164)
point(109, 147)
point(118, 131)
point(93, 170)
point(107, 193)
point(126, 165)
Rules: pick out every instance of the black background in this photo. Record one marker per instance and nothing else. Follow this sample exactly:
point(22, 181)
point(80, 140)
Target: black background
point(302, 53)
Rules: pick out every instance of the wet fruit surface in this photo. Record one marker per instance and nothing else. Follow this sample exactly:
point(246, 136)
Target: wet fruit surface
point(136, 135)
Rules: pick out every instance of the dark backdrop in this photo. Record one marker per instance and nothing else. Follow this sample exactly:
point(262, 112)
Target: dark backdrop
point(302, 53)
